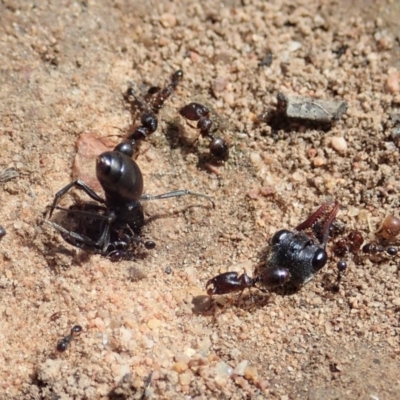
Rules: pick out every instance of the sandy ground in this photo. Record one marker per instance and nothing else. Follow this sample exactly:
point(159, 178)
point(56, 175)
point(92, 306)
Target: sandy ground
point(64, 67)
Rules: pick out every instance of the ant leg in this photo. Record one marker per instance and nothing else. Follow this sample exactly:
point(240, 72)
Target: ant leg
point(70, 234)
point(175, 193)
point(80, 185)
point(72, 237)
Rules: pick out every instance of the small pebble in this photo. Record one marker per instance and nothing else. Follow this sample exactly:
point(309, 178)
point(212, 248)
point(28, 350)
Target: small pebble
point(318, 161)
point(185, 378)
point(153, 323)
point(222, 369)
point(339, 144)
point(240, 368)
point(180, 367)
point(168, 20)
point(393, 83)
point(293, 46)
point(256, 159)
point(250, 373)
point(396, 302)
point(125, 335)
point(219, 85)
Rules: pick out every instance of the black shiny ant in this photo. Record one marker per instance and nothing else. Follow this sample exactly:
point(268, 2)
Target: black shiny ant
point(63, 344)
point(294, 257)
point(197, 112)
point(109, 228)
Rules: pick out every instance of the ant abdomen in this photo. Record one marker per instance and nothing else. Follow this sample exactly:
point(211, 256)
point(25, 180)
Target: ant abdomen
point(273, 276)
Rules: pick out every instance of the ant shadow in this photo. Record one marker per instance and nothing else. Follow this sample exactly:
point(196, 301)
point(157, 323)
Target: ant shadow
point(210, 307)
point(169, 214)
point(177, 139)
point(92, 228)
point(256, 298)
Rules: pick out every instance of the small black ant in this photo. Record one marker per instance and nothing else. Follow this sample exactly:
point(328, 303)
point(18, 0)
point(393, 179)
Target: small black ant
point(197, 112)
point(63, 344)
point(294, 258)
point(109, 228)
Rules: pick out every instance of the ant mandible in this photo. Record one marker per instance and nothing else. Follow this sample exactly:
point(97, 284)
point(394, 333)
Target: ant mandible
point(294, 257)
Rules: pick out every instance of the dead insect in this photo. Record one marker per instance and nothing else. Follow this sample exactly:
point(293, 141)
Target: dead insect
point(352, 243)
point(309, 109)
point(110, 227)
point(197, 112)
point(294, 257)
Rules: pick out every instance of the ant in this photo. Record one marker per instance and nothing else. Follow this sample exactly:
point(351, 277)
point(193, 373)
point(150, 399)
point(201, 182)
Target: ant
point(294, 257)
point(109, 228)
point(197, 112)
point(154, 101)
point(63, 344)
point(354, 241)
point(157, 96)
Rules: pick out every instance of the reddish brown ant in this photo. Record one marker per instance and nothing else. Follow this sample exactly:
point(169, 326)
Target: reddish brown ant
point(197, 112)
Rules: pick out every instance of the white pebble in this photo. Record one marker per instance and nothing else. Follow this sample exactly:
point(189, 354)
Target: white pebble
point(293, 46)
point(222, 369)
point(339, 144)
point(240, 368)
